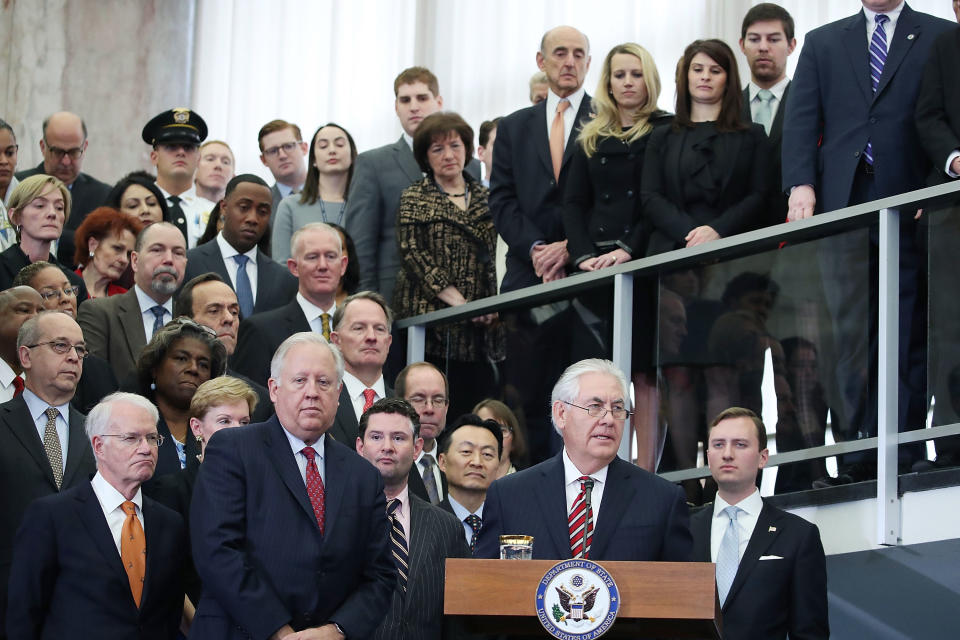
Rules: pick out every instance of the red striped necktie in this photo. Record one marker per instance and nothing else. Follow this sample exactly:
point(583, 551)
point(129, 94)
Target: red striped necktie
point(581, 520)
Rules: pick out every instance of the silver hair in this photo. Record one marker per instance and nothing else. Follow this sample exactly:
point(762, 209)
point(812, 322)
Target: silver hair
point(29, 332)
point(99, 417)
point(313, 226)
point(568, 386)
point(304, 337)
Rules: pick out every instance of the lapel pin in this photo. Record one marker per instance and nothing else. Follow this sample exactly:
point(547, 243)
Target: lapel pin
point(910, 37)
point(771, 529)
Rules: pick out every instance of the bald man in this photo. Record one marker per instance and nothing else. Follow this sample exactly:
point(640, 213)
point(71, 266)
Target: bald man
point(64, 145)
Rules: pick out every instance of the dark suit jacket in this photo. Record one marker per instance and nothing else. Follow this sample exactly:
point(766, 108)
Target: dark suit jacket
point(86, 194)
point(525, 200)
point(25, 473)
point(642, 517)
point(831, 101)
point(259, 552)
point(261, 334)
point(113, 330)
point(416, 486)
point(96, 382)
point(264, 407)
point(776, 211)
point(13, 259)
point(937, 118)
point(175, 491)
point(379, 177)
point(742, 197)
point(775, 597)
point(275, 192)
point(68, 580)
point(346, 427)
point(275, 285)
point(434, 537)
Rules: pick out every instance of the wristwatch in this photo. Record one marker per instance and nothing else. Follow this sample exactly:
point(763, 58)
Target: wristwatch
point(340, 629)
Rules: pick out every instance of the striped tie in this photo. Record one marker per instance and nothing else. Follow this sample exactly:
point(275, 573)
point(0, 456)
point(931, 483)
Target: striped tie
point(878, 58)
point(398, 543)
point(581, 518)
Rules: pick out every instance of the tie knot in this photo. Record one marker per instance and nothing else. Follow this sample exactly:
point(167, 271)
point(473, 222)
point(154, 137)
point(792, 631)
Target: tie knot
point(563, 105)
point(392, 506)
point(586, 482)
point(882, 19)
point(158, 311)
point(129, 508)
point(309, 453)
point(241, 260)
point(369, 395)
point(427, 461)
point(52, 413)
point(732, 512)
point(765, 95)
point(474, 521)
point(175, 199)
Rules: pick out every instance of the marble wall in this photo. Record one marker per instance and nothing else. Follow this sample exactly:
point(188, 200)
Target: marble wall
point(116, 63)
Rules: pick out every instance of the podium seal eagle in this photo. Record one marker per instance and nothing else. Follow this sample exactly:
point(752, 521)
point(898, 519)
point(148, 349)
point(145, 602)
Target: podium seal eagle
point(577, 600)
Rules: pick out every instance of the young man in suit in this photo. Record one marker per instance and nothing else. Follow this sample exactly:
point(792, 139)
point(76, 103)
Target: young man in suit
point(117, 328)
point(425, 388)
point(587, 502)
point(261, 284)
point(63, 145)
point(318, 264)
point(766, 39)
point(361, 328)
point(771, 570)
point(283, 151)
point(534, 146)
point(289, 527)
point(469, 457)
point(848, 138)
point(422, 536)
point(80, 556)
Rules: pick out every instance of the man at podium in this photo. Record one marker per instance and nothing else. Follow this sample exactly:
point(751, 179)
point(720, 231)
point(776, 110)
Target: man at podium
point(586, 502)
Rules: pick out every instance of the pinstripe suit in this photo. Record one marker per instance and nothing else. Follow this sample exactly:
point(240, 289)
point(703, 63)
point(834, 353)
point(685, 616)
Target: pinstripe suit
point(435, 536)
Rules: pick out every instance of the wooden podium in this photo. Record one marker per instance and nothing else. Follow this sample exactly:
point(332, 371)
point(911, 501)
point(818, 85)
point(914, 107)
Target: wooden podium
point(657, 599)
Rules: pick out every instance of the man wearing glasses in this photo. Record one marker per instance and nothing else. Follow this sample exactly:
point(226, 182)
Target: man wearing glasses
point(283, 151)
point(64, 144)
point(43, 448)
point(586, 502)
point(80, 557)
point(425, 388)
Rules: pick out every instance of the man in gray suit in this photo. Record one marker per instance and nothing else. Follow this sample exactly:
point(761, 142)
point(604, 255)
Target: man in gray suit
point(422, 536)
point(380, 176)
point(283, 151)
point(117, 328)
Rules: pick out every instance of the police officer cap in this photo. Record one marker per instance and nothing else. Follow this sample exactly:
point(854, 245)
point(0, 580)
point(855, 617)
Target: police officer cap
point(175, 125)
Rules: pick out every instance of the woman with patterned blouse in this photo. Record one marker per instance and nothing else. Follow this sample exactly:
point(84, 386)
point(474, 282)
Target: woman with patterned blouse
point(447, 244)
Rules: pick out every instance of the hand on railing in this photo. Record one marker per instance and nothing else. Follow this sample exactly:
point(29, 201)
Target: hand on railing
point(548, 258)
point(701, 235)
point(802, 201)
point(615, 257)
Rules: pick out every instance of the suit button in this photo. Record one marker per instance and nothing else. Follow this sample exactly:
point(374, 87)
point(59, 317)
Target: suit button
point(601, 229)
point(603, 161)
point(605, 197)
point(553, 182)
point(856, 154)
point(629, 193)
point(180, 220)
point(873, 121)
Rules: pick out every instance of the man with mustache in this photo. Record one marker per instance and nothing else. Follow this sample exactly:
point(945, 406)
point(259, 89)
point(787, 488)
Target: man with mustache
point(261, 284)
point(117, 328)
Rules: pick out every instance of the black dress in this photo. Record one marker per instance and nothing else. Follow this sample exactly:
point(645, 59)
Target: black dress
point(601, 209)
point(14, 259)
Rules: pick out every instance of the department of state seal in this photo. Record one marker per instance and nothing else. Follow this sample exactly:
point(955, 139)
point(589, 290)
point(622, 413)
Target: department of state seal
point(577, 600)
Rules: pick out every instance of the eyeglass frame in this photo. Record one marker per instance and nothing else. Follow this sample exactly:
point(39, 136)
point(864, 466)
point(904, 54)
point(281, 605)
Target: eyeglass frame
point(66, 291)
point(81, 349)
point(286, 146)
point(128, 442)
point(590, 412)
point(429, 400)
point(74, 153)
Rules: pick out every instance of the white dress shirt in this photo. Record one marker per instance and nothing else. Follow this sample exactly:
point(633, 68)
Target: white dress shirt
point(746, 522)
point(569, 116)
point(462, 512)
point(146, 304)
point(775, 102)
point(355, 389)
point(313, 313)
point(436, 467)
point(888, 28)
point(227, 251)
point(111, 501)
point(571, 482)
point(297, 445)
point(6, 381)
point(38, 411)
point(196, 210)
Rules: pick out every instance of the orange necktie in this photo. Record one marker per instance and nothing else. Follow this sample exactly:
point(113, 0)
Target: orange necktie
point(557, 138)
point(133, 550)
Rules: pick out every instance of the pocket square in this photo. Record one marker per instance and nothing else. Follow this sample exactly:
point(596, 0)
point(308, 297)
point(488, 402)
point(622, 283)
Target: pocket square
point(771, 557)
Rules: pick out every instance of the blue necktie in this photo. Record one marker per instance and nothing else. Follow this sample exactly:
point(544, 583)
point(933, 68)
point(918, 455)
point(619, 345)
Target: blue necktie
point(244, 290)
point(728, 557)
point(878, 58)
point(158, 313)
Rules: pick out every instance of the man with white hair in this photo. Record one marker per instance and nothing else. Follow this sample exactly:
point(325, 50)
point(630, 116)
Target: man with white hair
point(80, 555)
point(289, 527)
point(586, 502)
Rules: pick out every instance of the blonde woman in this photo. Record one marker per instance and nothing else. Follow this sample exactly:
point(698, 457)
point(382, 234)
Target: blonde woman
point(601, 213)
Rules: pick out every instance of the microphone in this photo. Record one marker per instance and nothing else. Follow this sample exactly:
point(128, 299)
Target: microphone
point(588, 523)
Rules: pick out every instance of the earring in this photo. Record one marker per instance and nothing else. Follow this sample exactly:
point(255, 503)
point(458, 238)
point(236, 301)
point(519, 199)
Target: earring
point(153, 386)
point(199, 439)
point(91, 254)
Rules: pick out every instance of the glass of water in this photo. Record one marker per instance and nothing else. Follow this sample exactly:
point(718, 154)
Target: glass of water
point(516, 547)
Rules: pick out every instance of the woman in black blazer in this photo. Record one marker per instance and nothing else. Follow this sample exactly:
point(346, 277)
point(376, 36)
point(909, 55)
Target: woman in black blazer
point(601, 212)
point(705, 177)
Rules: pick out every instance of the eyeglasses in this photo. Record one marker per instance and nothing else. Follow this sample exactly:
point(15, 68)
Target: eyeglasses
point(184, 321)
point(598, 411)
point(58, 153)
point(57, 293)
point(420, 402)
point(133, 439)
point(63, 348)
point(287, 147)
point(506, 429)
point(10, 151)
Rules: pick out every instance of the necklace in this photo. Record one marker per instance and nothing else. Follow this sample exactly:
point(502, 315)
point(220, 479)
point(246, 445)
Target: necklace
point(323, 211)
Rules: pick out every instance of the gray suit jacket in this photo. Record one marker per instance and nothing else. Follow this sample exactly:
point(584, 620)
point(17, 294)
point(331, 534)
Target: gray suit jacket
point(434, 537)
point(379, 177)
point(113, 330)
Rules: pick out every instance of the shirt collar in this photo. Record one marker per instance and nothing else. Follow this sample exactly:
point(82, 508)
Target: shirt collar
point(404, 498)
point(111, 499)
point(461, 511)
point(6, 373)
point(36, 405)
point(408, 139)
point(286, 190)
point(146, 302)
point(312, 311)
point(297, 445)
point(777, 89)
point(751, 505)
point(574, 98)
point(228, 251)
point(872, 17)
point(571, 474)
point(355, 387)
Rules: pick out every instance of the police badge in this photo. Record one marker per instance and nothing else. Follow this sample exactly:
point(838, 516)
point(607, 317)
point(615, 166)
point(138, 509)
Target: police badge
point(577, 600)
